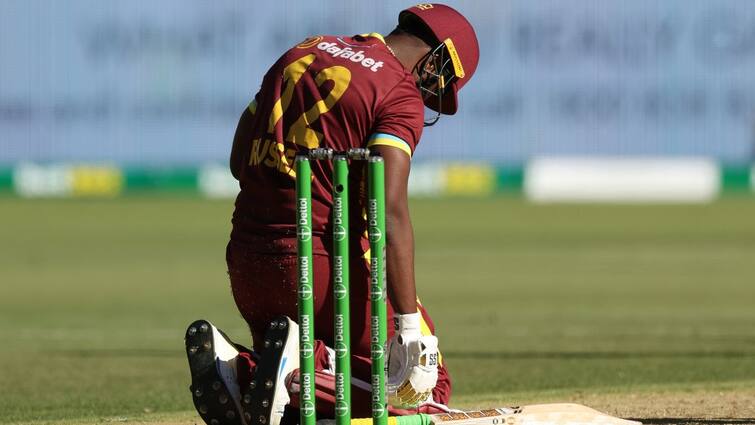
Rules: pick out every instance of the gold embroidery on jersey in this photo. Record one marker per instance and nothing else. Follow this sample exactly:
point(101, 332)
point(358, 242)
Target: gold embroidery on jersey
point(271, 154)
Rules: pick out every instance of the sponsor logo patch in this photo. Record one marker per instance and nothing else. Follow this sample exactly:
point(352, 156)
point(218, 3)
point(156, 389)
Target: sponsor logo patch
point(347, 53)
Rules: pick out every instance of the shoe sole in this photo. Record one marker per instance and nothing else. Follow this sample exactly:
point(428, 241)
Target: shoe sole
point(258, 400)
point(211, 394)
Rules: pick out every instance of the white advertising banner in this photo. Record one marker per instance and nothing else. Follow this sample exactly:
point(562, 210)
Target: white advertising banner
point(164, 82)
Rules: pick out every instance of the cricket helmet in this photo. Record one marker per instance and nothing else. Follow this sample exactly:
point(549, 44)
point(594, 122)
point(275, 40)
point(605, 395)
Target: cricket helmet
point(453, 56)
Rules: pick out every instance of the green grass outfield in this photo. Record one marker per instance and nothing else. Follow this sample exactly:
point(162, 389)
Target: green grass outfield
point(532, 302)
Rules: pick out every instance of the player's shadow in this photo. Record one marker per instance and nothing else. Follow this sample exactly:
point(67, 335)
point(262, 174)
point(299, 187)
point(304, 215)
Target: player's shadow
point(695, 421)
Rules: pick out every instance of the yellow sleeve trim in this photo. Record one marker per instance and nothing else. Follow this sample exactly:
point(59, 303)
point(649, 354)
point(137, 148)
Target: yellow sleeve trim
point(384, 141)
point(375, 35)
point(252, 106)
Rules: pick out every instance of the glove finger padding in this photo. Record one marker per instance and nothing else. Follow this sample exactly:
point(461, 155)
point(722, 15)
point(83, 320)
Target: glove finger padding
point(412, 370)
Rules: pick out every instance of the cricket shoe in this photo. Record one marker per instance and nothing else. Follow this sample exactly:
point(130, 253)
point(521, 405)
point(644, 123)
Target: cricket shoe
point(214, 387)
point(265, 400)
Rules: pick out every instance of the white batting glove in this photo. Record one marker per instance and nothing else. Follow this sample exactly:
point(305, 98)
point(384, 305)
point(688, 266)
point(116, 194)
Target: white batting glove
point(412, 363)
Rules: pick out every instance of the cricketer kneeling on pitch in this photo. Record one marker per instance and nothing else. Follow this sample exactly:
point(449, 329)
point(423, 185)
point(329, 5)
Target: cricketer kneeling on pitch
point(334, 113)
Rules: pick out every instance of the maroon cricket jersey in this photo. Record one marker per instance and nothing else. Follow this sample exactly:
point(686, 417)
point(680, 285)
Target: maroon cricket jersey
point(331, 92)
